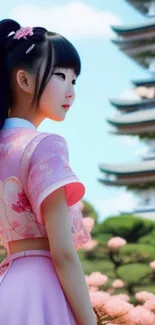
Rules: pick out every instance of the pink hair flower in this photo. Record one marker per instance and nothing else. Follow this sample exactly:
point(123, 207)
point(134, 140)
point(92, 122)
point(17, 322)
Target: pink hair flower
point(23, 32)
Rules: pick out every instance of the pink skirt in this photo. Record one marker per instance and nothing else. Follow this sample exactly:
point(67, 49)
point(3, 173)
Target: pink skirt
point(30, 291)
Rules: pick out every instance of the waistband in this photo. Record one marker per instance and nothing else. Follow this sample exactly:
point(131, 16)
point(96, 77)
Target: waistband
point(27, 253)
point(6, 263)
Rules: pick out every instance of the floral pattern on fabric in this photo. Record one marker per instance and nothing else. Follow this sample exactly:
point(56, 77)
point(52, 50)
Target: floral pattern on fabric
point(49, 170)
point(10, 142)
point(37, 165)
point(17, 219)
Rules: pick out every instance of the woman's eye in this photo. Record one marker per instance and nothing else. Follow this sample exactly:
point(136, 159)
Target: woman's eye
point(74, 82)
point(61, 75)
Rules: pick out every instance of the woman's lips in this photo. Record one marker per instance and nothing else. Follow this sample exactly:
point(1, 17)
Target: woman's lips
point(66, 107)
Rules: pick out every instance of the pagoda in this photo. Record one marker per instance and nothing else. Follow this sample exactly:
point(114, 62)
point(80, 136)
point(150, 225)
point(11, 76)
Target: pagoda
point(136, 117)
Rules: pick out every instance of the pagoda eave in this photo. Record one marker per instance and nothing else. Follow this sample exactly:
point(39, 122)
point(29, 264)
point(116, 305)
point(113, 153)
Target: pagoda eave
point(126, 31)
point(141, 55)
point(129, 169)
point(139, 118)
point(130, 182)
point(143, 132)
point(141, 7)
point(131, 104)
point(146, 82)
point(142, 210)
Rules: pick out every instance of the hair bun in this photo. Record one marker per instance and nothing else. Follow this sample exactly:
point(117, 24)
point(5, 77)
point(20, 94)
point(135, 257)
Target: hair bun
point(6, 26)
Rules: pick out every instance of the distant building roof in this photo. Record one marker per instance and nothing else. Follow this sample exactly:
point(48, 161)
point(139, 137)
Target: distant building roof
point(132, 104)
point(138, 42)
point(146, 131)
point(134, 118)
point(134, 182)
point(143, 6)
point(123, 30)
point(129, 169)
point(144, 82)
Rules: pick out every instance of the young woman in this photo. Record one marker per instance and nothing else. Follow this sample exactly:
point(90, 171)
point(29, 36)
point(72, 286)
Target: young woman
point(41, 278)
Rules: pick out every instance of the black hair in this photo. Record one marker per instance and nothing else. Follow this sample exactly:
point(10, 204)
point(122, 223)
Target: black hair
point(30, 53)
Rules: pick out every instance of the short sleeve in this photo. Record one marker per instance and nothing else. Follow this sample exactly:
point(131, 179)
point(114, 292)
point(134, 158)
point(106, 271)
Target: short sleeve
point(49, 170)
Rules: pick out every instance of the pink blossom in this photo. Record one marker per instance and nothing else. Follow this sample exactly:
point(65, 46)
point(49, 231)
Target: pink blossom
point(96, 279)
point(140, 316)
point(116, 243)
point(93, 289)
point(150, 304)
point(117, 284)
point(88, 223)
point(115, 307)
point(123, 296)
point(98, 300)
point(143, 296)
point(90, 245)
point(152, 265)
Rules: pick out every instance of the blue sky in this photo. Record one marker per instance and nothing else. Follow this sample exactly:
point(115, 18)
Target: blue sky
point(106, 72)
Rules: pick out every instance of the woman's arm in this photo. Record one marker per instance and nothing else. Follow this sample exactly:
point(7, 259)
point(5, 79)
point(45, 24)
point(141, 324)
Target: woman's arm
point(65, 258)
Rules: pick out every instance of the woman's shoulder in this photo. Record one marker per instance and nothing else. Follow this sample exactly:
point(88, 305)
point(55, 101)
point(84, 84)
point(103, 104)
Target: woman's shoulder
point(41, 143)
point(52, 140)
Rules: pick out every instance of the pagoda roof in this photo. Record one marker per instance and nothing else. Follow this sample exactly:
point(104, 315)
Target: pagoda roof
point(132, 104)
point(125, 31)
point(141, 49)
point(148, 212)
point(149, 156)
point(144, 82)
point(138, 210)
point(141, 6)
point(146, 131)
point(128, 45)
point(129, 170)
point(131, 182)
point(140, 117)
point(142, 54)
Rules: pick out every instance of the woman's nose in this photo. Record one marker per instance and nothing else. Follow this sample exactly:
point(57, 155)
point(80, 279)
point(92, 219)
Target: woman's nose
point(70, 92)
point(69, 95)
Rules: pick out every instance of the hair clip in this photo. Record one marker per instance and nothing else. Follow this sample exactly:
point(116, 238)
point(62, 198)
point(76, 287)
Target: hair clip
point(23, 32)
point(11, 33)
point(30, 48)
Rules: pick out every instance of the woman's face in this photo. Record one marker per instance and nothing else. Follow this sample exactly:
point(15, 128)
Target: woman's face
point(59, 94)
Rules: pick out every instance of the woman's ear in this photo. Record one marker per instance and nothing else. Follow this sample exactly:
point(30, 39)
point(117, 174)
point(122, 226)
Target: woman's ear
point(25, 81)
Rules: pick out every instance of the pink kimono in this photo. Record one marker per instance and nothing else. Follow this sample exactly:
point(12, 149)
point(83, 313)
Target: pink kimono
point(33, 165)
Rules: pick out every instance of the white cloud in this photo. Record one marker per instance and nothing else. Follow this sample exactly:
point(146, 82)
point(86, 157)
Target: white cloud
point(129, 141)
point(74, 19)
point(129, 94)
point(112, 206)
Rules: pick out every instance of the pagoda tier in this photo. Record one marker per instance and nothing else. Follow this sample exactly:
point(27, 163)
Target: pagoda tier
point(144, 132)
point(135, 32)
point(144, 82)
point(128, 169)
point(146, 7)
point(148, 213)
point(132, 105)
point(138, 42)
point(140, 123)
point(141, 118)
point(134, 176)
point(149, 156)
